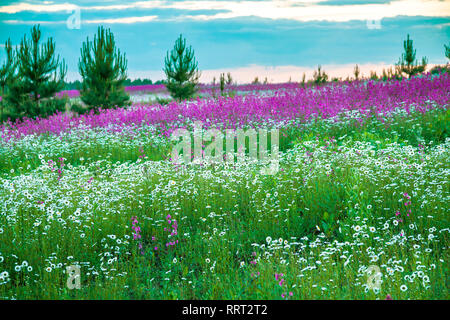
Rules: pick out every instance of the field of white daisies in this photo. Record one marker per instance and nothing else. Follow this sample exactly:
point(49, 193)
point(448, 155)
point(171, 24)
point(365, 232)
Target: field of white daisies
point(359, 209)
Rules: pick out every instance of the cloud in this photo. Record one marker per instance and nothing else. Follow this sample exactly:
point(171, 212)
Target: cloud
point(298, 10)
point(32, 22)
point(314, 12)
point(55, 7)
point(16, 8)
point(127, 20)
point(353, 2)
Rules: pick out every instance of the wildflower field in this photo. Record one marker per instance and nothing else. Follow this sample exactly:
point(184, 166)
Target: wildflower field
point(358, 208)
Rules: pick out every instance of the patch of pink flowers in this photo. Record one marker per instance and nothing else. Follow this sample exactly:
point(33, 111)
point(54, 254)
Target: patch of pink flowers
point(52, 165)
point(137, 233)
point(173, 229)
point(370, 98)
point(407, 204)
point(281, 283)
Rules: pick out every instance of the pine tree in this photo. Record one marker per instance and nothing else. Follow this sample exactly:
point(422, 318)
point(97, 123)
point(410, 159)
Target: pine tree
point(103, 69)
point(384, 75)
point(408, 63)
point(356, 72)
point(213, 87)
point(303, 83)
point(447, 50)
point(181, 70)
point(229, 79)
point(7, 74)
point(222, 83)
point(40, 74)
point(319, 76)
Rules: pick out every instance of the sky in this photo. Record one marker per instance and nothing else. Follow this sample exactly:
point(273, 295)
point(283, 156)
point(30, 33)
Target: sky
point(277, 39)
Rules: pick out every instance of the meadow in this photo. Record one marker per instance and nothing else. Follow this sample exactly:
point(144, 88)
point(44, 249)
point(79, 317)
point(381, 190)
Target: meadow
point(362, 185)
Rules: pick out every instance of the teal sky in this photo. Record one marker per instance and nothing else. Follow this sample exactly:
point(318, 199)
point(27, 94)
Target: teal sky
point(277, 39)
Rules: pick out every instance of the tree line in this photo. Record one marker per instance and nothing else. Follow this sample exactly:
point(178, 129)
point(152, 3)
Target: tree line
point(76, 84)
point(33, 73)
point(407, 66)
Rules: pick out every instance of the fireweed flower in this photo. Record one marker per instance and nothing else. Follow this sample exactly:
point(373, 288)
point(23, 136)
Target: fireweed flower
point(137, 233)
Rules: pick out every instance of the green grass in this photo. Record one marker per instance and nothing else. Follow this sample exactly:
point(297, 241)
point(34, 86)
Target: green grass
point(333, 204)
